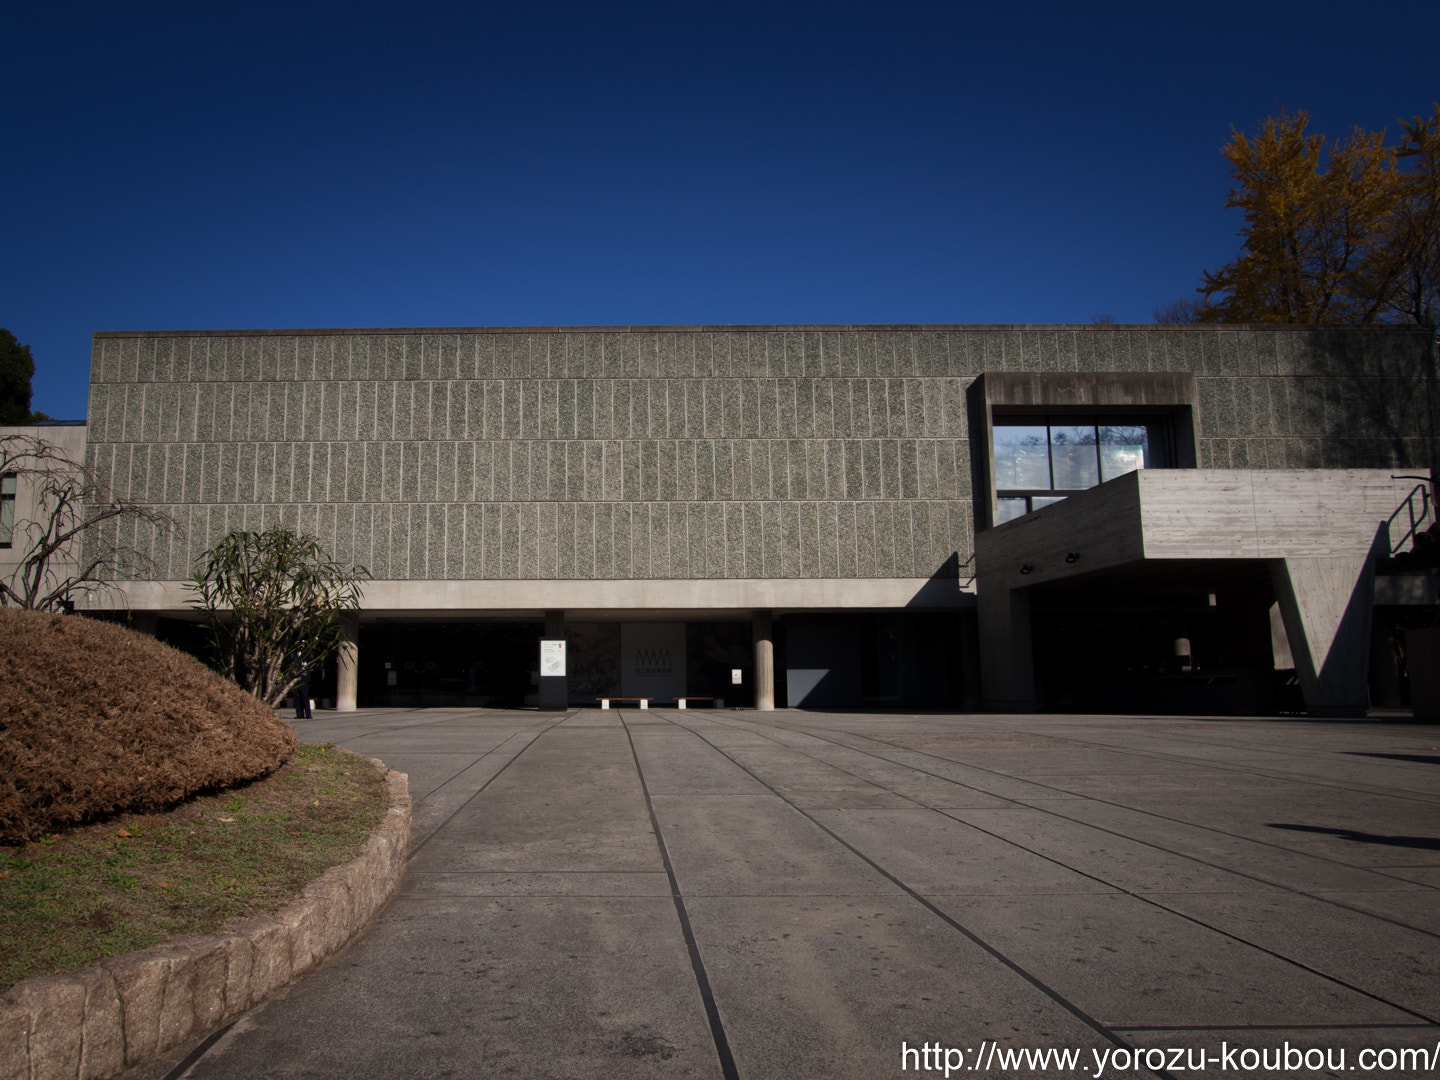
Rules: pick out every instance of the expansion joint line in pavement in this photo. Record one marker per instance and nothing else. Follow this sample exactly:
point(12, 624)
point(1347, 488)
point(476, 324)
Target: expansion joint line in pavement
point(1054, 995)
point(1422, 1020)
point(200, 1051)
point(476, 794)
point(697, 963)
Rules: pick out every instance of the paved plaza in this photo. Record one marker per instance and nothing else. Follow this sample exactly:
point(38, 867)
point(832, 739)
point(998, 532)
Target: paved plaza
point(814, 895)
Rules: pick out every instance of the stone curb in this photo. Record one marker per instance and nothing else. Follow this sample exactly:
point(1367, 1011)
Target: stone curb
point(127, 1010)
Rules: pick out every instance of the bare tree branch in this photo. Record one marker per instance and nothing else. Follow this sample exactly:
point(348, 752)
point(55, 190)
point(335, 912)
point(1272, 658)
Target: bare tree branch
point(62, 540)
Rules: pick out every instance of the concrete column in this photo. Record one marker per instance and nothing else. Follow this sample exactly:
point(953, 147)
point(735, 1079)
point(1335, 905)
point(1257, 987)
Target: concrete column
point(1279, 643)
point(1384, 667)
point(554, 690)
point(1182, 654)
point(1327, 605)
point(1007, 659)
point(970, 657)
point(764, 631)
point(347, 664)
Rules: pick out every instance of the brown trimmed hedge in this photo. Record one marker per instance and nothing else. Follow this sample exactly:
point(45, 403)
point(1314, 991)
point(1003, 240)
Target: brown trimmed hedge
point(96, 719)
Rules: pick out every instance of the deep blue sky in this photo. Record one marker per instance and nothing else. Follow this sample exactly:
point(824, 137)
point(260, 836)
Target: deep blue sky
point(178, 166)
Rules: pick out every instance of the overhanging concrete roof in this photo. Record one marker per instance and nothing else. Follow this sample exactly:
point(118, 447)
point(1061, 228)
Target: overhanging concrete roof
point(1187, 515)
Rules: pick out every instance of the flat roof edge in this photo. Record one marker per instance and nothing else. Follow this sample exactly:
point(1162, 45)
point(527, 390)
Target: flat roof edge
point(764, 328)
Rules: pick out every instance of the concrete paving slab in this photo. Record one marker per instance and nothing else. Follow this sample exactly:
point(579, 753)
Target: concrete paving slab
point(519, 987)
point(999, 785)
point(1398, 963)
point(1237, 854)
point(442, 796)
point(572, 801)
point(932, 791)
point(674, 761)
point(635, 883)
point(609, 718)
point(1044, 764)
point(1428, 876)
point(757, 846)
point(540, 932)
point(1357, 828)
point(842, 799)
point(1128, 962)
point(1118, 861)
point(792, 770)
point(826, 988)
point(1384, 1051)
point(938, 855)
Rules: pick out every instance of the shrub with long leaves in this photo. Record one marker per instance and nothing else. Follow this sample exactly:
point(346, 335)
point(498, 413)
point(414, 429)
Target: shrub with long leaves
point(273, 602)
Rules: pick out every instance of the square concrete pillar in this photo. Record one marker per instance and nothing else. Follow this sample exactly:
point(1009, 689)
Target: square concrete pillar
point(554, 693)
point(1007, 663)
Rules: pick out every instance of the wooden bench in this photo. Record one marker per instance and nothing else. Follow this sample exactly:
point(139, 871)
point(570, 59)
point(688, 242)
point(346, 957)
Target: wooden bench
point(605, 701)
point(719, 701)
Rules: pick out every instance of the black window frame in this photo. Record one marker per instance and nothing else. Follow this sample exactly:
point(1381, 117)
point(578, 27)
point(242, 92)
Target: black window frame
point(1160, 449)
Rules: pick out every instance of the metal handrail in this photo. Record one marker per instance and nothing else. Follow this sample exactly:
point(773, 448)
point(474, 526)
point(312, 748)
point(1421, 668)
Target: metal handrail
point(1415, 522)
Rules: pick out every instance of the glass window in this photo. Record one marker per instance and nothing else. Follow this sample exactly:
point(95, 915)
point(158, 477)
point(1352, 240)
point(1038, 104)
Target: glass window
point(1021, 457)
point(1035, 462)
point(1123, 449)
point(1073, 459)
point(1011, 508)
point(7, 508)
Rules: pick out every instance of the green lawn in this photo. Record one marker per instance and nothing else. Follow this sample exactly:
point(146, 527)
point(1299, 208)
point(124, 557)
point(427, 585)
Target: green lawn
point(134, 881)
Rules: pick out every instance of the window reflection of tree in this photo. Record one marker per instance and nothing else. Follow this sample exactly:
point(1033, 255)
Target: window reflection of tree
point(1033, 460)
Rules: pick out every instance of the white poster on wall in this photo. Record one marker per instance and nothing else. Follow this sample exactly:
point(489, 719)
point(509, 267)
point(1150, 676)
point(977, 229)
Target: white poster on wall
point(552, 658)
point(652, 660)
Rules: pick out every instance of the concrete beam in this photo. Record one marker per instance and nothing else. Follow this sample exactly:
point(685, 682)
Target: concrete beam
point(537, 596)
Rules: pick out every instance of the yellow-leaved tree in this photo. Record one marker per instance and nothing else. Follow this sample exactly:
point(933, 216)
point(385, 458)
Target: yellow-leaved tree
point(1343, 231)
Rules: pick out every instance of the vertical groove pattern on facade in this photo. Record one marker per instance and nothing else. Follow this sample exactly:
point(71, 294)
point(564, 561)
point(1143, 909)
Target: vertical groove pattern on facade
point(669, 453)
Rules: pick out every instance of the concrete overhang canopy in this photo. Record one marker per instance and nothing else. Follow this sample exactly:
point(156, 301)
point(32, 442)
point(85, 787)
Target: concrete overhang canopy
point(1316, 535)
point(1187, 515)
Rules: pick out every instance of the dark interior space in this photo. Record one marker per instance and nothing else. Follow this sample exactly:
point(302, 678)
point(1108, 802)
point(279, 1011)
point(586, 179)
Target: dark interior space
point(874, 660)
point(712, 651)
point(1177, 650)
point(423, 664)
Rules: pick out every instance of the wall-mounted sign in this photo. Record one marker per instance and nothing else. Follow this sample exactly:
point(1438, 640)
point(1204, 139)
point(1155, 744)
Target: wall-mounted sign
point(735, 676)
point(652, 660)
point(552, 658)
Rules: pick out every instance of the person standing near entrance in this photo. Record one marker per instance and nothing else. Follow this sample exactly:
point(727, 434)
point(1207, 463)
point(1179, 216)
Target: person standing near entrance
point(302, 689)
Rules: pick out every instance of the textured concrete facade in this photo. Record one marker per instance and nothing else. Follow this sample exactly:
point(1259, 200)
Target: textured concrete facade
point(822, 483)
point(673, 453)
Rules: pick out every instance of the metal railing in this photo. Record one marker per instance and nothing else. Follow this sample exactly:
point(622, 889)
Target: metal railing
point(1416, 522)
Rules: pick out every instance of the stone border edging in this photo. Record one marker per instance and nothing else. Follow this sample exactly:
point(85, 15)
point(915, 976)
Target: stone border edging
point(127, 1010)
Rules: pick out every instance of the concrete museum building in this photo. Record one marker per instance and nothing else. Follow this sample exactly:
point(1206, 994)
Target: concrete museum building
point(1007, 517)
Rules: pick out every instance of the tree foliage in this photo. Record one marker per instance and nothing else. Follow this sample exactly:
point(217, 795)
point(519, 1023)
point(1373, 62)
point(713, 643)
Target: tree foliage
point(17, 368)
point(65, 528)
point(1336, 231)
point(273, 602)
point(1180, 311)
